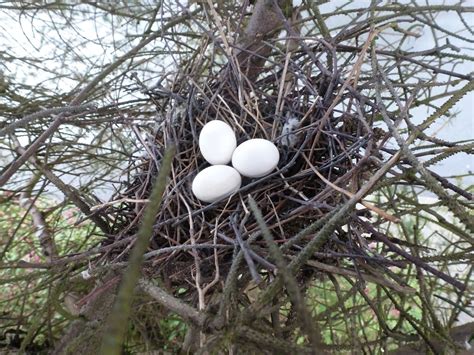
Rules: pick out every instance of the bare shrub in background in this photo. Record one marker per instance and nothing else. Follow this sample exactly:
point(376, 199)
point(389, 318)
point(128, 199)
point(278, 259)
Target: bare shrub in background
point(356, 244)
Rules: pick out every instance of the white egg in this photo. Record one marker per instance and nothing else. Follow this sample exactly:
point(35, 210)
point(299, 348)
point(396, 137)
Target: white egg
point(255, 158)
point(216, 182)
point(217, 142)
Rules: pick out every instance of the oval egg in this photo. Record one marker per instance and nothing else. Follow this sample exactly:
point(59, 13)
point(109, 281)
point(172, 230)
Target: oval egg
point(216, 182)
point(255, 158)
point(217, 142)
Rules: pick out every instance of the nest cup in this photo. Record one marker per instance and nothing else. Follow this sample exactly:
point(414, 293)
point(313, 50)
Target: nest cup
point(337, 144)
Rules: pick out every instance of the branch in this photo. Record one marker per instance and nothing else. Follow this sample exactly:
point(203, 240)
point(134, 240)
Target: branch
point(43, 232)
point(253, 48)
point(67, 190)
point(171, 303)
point(461, 336)
point(118, 320)
point(8, 173)
point(70, 110)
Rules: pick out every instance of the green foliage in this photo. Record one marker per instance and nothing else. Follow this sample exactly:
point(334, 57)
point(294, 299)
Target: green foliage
point(26, 294)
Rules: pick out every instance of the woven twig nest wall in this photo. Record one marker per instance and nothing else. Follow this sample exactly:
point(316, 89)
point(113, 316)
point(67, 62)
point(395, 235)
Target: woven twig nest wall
point(319, 148)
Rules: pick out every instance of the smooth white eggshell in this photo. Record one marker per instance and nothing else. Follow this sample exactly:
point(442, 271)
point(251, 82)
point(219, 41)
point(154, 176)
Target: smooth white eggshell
point(255, 158)
point(217, 142)
point(216, 182)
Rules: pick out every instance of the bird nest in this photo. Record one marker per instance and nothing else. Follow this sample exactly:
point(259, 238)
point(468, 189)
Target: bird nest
point(326, 140)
